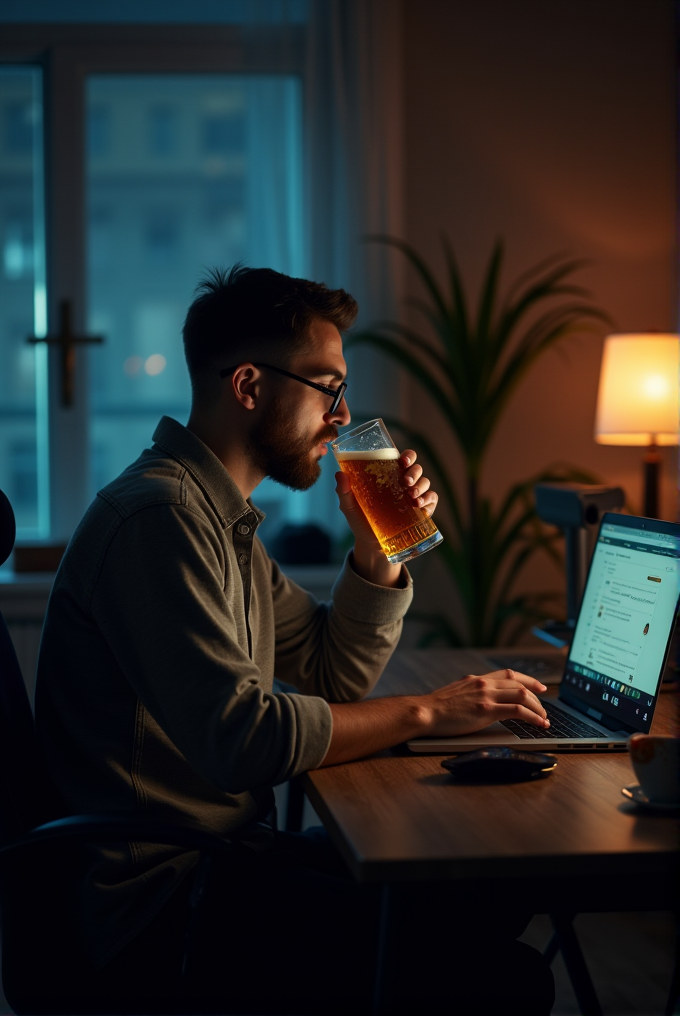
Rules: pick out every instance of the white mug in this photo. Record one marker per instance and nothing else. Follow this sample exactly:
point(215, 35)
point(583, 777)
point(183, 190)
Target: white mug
point(656, 761)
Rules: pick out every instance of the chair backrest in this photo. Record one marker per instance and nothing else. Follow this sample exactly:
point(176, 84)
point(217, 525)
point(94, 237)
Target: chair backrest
point(39, 955)
point(24, 794)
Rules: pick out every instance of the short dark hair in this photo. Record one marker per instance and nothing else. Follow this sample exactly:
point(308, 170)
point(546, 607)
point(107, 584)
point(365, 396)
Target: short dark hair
point(248, 312)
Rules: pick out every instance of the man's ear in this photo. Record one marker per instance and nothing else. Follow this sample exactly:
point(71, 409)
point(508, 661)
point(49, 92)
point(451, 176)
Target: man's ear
point(245, 384)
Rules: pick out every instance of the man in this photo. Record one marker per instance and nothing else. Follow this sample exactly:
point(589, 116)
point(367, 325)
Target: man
point(166, 627)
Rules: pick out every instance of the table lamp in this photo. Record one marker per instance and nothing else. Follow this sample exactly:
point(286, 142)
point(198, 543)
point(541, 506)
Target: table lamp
point(637, 401)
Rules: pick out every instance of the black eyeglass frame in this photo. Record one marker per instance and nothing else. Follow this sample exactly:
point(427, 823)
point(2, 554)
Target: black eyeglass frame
point(336, 394)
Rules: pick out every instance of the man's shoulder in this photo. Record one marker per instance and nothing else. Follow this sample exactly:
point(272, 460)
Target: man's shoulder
point(154, 479)
point(140, 504)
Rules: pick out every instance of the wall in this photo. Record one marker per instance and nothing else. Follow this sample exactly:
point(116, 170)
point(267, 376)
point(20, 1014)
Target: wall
point(551, 125)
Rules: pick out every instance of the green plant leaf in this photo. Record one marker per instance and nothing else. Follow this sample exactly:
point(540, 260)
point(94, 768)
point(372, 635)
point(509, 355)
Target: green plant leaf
point(416, 368)
point(521, 298)
point(458, 311)
point(392, 331)
point(489, 292)
point(420, 266)
point(551, 328)
point(469, 368)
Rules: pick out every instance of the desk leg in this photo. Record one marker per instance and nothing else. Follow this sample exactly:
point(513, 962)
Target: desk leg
point(402, 904)
point(386, 975)
point(575, 963)
point(295, 806)
point(552, 949)
point(672, 1005)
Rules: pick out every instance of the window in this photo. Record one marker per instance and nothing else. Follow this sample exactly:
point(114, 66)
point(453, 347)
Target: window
point(224, 230)
point(101, 239)
point(98, 130)
point(22, 476)
point(195, 207)
point(161, 238)
point(24, 471)
point(163, 130)
point(192, 155)
point(19, 128)
point(223, 134)
point(17, 247)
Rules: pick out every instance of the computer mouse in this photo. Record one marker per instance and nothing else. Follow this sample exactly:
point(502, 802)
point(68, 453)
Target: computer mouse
point(499, 765)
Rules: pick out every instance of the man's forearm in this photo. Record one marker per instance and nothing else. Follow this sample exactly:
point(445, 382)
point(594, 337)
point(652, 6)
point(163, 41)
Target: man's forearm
point(363, 728)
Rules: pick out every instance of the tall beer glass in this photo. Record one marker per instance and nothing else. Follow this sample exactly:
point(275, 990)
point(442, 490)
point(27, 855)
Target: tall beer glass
point(369, 457)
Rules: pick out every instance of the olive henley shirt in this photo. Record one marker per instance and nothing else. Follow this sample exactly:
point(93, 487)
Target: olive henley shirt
point(165, 629)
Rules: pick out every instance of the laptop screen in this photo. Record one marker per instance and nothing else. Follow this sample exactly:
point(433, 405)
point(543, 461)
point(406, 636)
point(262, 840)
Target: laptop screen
point(625, 624)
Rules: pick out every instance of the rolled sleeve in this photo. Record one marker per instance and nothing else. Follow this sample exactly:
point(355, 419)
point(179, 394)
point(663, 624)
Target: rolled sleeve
point(365, 603)
point(312, 735)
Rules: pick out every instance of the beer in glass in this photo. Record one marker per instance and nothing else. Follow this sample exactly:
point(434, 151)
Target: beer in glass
point(370, 458)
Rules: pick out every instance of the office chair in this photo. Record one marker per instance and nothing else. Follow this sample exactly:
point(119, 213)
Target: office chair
point(44, 971)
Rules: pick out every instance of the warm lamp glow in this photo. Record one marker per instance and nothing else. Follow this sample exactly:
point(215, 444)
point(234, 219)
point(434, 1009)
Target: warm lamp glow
point(637, 402)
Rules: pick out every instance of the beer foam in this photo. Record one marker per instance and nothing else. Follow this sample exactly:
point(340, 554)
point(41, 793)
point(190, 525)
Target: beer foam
point(370, 456)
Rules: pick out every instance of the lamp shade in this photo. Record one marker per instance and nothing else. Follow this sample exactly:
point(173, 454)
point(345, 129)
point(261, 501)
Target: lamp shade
point(637, 401)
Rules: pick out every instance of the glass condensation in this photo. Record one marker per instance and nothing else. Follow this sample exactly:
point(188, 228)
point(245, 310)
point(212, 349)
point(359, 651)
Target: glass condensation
point(23, 374)
point(184, 172)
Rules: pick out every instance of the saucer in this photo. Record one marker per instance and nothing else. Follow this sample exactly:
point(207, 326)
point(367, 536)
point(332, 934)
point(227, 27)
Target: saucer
point(635, 793)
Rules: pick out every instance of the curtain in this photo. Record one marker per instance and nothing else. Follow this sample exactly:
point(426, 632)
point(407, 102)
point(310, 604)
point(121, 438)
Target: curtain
point(354, 170)
point(352, 189)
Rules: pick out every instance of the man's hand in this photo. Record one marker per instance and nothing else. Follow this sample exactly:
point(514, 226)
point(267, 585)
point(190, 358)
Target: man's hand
point(468, 705)
point(368, 559)
point(417, 485)
point(362, 728)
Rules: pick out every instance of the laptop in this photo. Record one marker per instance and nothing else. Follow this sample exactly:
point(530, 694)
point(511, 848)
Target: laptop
point(613, 671)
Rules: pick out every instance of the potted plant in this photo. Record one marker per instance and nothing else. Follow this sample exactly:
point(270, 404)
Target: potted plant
point(469, 362)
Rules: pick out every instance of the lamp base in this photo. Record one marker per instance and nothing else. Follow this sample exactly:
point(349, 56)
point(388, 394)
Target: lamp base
point(652, 476)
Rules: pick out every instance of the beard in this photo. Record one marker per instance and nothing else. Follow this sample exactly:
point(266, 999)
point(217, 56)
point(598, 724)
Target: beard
point(282, 453)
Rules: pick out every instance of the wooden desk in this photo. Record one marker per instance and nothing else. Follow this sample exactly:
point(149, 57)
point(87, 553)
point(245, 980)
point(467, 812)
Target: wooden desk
point(403, 818)
point(568, 842)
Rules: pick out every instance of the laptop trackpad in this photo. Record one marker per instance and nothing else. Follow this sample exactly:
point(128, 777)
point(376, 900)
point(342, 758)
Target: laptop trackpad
point(495, 733)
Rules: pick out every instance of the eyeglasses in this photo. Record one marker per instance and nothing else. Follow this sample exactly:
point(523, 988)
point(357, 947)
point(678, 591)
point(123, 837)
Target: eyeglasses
point(336, 394)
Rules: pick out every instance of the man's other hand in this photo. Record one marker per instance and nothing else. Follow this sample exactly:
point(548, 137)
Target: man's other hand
point(368, 559)
point(416, 484)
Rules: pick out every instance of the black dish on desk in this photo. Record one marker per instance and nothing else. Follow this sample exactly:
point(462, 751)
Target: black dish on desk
point(499, 765)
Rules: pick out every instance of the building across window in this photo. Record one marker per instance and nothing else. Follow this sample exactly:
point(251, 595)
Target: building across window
point(18, 128)
point(98, 131)
point(223, 134)
point(163, 127)
point(161, 238)
point(185, 193)
point(17, 247)
point(23, 423)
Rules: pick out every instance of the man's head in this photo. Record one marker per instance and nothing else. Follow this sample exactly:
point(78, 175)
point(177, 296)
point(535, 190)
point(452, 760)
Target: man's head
point(254, 314)
point(265, 357)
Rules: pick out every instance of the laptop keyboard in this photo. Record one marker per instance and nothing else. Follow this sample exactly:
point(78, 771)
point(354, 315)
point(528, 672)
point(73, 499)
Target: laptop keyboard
point(561, 725)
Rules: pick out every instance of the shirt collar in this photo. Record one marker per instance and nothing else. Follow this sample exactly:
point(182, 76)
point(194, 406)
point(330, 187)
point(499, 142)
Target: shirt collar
point(219, 488)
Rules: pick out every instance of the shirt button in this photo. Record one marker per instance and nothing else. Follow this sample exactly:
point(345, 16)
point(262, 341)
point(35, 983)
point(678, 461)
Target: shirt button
point(243, 558)
point(243, 529)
